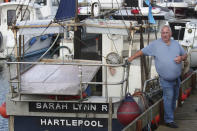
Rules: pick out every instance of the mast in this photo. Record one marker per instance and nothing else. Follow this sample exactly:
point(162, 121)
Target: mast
point(76, 12)
point(77, 36)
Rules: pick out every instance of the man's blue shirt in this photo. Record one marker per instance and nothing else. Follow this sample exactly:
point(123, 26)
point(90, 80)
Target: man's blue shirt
point(164, 56)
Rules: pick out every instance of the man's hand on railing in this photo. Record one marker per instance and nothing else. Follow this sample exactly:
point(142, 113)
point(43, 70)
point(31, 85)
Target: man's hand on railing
point(126, 62)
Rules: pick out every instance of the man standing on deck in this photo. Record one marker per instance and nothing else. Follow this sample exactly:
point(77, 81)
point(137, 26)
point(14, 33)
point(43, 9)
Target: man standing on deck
point(168, 55)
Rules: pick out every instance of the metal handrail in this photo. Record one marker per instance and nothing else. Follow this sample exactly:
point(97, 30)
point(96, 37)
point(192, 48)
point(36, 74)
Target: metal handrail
point(121, 82)
point(70, 63)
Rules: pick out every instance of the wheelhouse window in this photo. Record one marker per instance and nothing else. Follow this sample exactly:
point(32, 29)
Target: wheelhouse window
point(11, 17)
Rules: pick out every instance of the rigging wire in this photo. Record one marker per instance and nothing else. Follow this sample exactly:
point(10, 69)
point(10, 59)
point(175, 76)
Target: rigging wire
point(25, 11)
point(12, 52)
point(19, 12)
point(109, 33)
point(14, 18)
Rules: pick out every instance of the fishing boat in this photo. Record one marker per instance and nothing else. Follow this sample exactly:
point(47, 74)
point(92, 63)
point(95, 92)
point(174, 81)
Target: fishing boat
point(27, 11)
point(181, 8)
point(84, 89)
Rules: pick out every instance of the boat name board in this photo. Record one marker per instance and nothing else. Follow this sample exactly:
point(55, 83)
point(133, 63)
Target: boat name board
point(68, 107)
point(38, 123)
point(74, 122)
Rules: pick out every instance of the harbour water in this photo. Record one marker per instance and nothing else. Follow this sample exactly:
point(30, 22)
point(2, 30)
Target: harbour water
point(4, 87)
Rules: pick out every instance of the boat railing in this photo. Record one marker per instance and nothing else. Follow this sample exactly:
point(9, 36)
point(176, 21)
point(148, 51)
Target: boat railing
point(15, 82)
point(187, 86)
point(157, 108)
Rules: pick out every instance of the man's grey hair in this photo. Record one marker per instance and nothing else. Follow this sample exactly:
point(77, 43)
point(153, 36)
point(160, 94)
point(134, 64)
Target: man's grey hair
point(166, 26)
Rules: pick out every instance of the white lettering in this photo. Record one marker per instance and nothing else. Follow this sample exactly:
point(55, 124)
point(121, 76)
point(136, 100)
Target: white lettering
point(62, 122)
point(43, 122)
point(93, 107)
point(86, 107)
point(86, 123)
point(51, 106)
point(99, 124)
point(104, 107)
point(50, 122)
point(80, 122)
point(58, 106)
point(74, 122)
point(74, 107)
point(38, 106)
point(64, 106)
point(79, 106)
point(71, 123)
point(68, 124)
point(93, 123)
point(56, 122)
point(45, 106)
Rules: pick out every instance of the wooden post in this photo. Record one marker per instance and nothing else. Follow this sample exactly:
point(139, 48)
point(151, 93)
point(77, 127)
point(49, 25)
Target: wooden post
point(142, 60)
point(110, 115)
point(11, 123)
point(139, 125)
point(76, 12)
point(161, 112)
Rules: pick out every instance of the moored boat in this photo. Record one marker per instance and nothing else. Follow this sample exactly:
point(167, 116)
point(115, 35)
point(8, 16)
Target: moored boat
point(73, 93)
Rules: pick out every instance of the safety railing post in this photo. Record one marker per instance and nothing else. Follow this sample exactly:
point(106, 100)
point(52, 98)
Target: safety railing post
point(81, 88)
point(110, 115)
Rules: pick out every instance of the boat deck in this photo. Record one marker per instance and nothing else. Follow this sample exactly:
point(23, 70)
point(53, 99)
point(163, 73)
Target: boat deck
point(185, 116)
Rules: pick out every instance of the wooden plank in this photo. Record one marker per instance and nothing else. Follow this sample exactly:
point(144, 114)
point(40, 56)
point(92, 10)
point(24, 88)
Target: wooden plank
point(51, 25)
point(186, 116)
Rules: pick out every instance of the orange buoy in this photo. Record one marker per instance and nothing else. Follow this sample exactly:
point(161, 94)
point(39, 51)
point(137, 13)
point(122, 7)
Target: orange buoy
point(3, 110)
point(128, 110)
point(157, 118)
point(183, 96)
point(6, 1)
